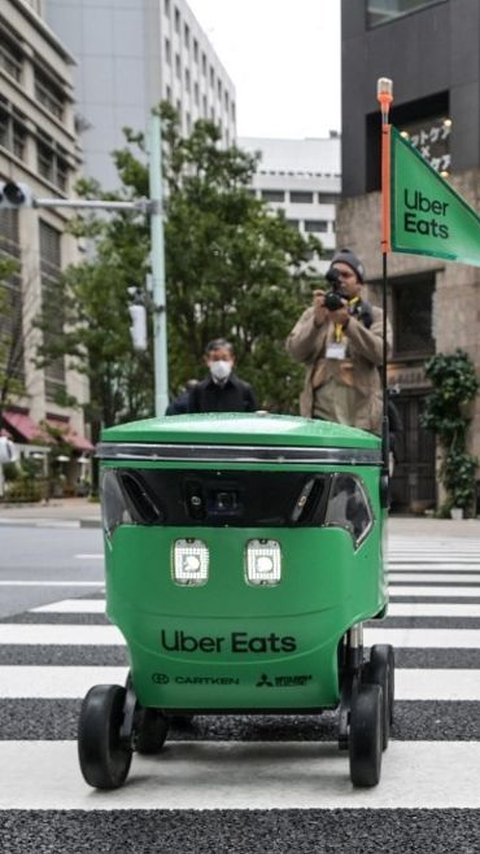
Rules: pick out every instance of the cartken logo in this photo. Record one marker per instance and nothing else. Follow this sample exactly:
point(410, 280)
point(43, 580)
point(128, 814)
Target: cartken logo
point(264, 682)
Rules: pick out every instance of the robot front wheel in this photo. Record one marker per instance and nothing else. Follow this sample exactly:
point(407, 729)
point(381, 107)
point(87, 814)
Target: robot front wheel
point(104, 747)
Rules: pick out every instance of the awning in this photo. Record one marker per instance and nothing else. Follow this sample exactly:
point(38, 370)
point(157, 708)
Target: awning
point(22, 424)
point(71, 437)
point(80, 443)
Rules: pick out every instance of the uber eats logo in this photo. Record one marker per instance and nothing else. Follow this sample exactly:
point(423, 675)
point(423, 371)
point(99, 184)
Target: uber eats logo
point(179, 641)
point(424, 215)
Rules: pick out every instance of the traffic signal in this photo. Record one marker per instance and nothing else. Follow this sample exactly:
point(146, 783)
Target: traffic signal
point(15, 195)
point(138, 314)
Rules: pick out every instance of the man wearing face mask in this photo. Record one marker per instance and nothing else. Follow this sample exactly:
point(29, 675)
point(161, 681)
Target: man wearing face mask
point(222, 390)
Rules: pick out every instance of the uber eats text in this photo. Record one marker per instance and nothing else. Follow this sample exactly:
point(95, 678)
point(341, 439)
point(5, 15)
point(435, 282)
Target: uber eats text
point(178, 641)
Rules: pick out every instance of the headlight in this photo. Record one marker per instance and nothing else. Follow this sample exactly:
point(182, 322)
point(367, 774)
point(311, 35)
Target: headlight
point(190, 562)
point(264, 562)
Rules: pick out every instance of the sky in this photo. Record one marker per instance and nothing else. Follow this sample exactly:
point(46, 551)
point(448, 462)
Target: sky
point(283, 57)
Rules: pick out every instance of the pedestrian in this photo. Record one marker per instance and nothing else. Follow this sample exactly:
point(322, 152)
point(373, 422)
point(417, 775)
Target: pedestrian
point(179, 405)
point(339, 339)
point(222, 390)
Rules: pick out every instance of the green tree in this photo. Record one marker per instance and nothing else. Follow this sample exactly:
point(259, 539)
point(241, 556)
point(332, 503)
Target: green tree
point(11, 333)
point(233, 269)
point(446, 413)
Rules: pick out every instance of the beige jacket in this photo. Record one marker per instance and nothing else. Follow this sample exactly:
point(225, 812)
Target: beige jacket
point(357, 377)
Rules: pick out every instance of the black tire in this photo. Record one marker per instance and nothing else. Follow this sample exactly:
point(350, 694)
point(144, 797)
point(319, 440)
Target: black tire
point(104, 757)
point(365, 738)
point(151, 728)
point(380, 670)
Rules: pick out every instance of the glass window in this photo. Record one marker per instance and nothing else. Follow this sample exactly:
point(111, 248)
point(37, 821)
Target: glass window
point(178, 70)
point(52, 302)
point(328, 198)
point(11, 57)
point(412, 316)
point(195, 50)
point(168, 51)
point(187, 80)
point(315, 226)
point(186, 36)
point(195, 93)
point(166, 7)
point(384, 11)
point(273, 195)
point(49, 94)
point(301, 197)
point(177, 20)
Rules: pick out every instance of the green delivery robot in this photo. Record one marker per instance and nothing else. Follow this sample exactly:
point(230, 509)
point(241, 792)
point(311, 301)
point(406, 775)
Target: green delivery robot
point(243, 555)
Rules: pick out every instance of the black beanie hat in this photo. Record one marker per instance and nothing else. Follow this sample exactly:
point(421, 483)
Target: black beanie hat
point(346, 256)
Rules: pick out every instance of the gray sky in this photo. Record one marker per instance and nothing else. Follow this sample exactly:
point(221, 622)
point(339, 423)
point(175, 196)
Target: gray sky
point(284, 59)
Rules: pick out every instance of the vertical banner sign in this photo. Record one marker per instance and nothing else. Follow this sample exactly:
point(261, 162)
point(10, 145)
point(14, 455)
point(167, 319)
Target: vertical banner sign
point(427, 216)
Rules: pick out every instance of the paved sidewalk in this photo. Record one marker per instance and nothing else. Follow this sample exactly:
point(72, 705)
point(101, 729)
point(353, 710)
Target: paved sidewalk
point(80, 512)
point(67, 512)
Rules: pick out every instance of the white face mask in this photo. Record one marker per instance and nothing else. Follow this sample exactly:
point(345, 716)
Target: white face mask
point(220, 369)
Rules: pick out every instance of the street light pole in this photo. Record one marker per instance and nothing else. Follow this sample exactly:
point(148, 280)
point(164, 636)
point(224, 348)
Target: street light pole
point(158, 266)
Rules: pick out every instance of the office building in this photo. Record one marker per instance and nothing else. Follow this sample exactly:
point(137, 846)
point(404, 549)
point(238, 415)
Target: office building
point(302, 178)
point(39, 148)
point(130, 55)
point(431, 51)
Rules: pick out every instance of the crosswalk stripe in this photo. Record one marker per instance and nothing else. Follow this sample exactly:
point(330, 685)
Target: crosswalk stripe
point(241, 775)
point(72, 606)
point(435, 577)
point(433, 609)
point(395, 609)
point(433, 590)
point(421, 638)
point(21, 633)
point(21, 682)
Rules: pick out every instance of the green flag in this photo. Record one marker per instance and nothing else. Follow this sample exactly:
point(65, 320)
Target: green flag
point(427, 216)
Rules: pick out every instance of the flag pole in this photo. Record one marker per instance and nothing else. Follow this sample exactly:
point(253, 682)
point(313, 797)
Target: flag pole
point(385, 98)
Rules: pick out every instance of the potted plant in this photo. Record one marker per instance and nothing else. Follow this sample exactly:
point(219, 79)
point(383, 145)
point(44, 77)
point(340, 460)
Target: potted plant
point(447, 414)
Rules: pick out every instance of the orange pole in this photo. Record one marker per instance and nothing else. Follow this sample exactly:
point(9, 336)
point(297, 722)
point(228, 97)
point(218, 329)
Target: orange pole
point(386, 188)
point(385, 98)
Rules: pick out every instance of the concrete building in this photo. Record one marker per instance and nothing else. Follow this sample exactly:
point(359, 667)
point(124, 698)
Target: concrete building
point(38, 147)
point(302, 177)
point(431, 51)
point(130, 55)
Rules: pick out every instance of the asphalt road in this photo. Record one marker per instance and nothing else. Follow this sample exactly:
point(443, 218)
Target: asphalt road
point(240, 785)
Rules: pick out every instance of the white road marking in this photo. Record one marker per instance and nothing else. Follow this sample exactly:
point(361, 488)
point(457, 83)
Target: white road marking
point(424, 638)
point(433, 609)
point(73, 606)
point(434, 590)
point(39, 583)
point(56, 682)
point(436, 577)
point(68, 635)
point(418, 684)
point(61, 635)
point(89, 557)
point(395, 609)
point(73, 682)
point(254, 775)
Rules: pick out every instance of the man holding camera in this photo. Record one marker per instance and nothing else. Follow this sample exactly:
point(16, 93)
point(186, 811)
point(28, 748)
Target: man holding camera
point(340, 341)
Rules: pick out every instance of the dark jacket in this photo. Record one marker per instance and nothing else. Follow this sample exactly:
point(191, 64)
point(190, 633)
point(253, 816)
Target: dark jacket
point(179, 406)
point(234, 395)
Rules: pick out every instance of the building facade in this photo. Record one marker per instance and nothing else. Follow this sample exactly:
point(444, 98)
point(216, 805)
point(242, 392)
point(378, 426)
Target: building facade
point(39, 148)
point(302, 178)
point(130, 55)
point(431, 51)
